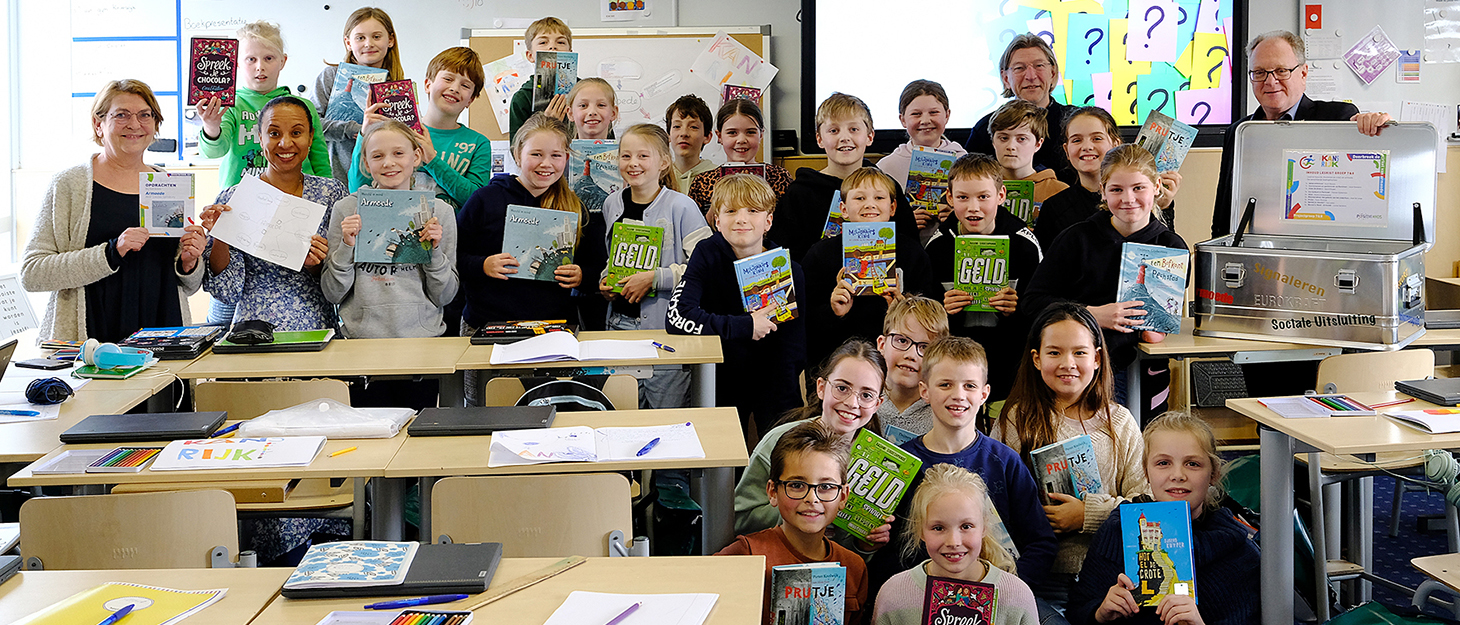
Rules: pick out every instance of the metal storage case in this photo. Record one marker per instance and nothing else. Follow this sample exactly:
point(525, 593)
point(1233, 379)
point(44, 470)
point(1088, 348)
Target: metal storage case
point(1316, 282)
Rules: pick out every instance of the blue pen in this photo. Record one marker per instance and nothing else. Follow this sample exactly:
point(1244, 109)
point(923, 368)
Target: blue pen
point(648, 447)
point(117, 616)
point(406, 603)
point(227, 429)
point(20, 413)
point(663, 347)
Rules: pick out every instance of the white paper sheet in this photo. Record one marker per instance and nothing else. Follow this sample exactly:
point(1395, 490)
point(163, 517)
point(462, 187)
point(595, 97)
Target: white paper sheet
point(675, 441)
point(238, 453)
point(582, 606)
point(46, 412)
point(726, 61)
point(269, 224)
point(584, 444)
point(1441, 115)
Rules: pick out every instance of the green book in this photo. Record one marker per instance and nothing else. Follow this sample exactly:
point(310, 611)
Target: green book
point(118, 373)
point(633, 248)
point(878, 477)
point(980, 267)
point(1019, 199)
point(292, 341)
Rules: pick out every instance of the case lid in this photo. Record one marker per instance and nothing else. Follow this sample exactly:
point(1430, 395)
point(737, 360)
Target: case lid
point(1262, 170)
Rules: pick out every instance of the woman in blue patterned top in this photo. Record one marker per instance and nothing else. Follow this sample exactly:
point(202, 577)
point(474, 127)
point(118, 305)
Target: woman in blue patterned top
point(291, 300)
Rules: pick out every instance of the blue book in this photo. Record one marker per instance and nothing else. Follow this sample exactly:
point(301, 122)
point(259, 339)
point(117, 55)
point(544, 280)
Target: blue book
point(766, 281)
point(593, 172)
point(541, 239)
point(869, 254)
point(1155, 276)
point(1067, 467)
point(351, 92)
point(392, 226)
point(1157, 541)
point(833, 224)
point(809, 594)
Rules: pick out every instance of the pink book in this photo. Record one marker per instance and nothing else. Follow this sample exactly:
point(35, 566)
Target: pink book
point(399, 97)
point(212, 70)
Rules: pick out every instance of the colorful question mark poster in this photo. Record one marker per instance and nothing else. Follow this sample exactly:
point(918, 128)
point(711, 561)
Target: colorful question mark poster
point(1152, 26)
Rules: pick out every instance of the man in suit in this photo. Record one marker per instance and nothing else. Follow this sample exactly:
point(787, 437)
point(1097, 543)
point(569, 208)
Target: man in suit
point(1279, 75)
point(1030, 72)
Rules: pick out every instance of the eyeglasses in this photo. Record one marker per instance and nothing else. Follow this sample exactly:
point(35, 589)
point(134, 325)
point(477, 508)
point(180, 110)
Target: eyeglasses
point(796, 489)
point(901, 343)
point(1021, 68)
point(122, 117)
point(1282, 73)
point(841, 391)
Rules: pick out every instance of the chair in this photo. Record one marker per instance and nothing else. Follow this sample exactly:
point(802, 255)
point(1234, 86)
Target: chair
point(139, 531)
point(621, 389)
point(534, 515)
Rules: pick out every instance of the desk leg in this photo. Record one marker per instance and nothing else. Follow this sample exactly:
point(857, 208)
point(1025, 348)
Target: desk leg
point(714, 490)
point(702, 393)
point(1365, 542)
point(388, 500)
point(425, 484)
point(357, 518)
point(453, 390)
point(1277, 540)
point(1133, 390)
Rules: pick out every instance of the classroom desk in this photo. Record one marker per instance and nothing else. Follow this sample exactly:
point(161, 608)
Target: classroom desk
point(698, 352)
point(712, 478)
point(1281, 438)
point(739, 580)
point(249, 590)
point(30, 440)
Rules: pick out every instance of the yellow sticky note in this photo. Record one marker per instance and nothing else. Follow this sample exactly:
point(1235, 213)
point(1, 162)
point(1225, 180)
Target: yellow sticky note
point(1208, 52)
point(1123, 94)
point(1070, 92)
point(1183, 62)
point(1118, 62)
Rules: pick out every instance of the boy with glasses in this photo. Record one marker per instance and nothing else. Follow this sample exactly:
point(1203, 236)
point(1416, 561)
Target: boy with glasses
point(908, 327)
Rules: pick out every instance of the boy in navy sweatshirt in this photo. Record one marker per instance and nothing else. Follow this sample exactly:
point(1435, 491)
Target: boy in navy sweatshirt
point(763, 358)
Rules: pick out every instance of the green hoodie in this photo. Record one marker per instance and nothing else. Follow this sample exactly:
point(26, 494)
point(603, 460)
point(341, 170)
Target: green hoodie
point(238, 141)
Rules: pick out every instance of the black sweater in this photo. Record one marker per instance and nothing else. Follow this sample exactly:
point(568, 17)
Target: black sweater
point(1003, 341)
point(1083, 266)
point(800, 214)
point(1072, 206)
point(1225, 560)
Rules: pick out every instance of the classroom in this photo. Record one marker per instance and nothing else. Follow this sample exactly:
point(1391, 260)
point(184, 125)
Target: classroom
point(928, 312)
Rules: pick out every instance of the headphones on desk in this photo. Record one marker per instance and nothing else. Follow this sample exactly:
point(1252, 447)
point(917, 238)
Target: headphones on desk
point(110, 356)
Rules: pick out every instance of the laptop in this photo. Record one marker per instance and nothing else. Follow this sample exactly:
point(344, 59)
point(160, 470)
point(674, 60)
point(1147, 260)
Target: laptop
point(437, 569)
point(1442, 391)
point(480, 420)
point(136, 428)
point(9, 566)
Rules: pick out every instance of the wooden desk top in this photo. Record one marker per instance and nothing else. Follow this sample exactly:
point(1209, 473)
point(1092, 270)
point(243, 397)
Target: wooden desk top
point(440, 456)
point(430, 356)
point(369, 460)
point(249, 590)
point(1353, 435)
point(29, 441)
point(688, 350)
point(739, 580)
point(1443, 568)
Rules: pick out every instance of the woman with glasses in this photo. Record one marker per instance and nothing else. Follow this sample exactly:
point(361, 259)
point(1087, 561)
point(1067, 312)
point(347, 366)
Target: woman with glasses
point(1030, 72)
point(107, 277)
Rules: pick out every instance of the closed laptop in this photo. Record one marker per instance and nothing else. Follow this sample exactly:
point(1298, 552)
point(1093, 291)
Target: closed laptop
point(1442, 391)
point(480, 420)
point(437, 569)
point(134, 428)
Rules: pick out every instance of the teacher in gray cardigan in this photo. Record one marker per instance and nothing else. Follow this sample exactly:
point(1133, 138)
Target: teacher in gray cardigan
point(107, 276)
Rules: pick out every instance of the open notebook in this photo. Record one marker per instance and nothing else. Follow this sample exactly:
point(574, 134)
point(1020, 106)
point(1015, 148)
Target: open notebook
point(584, 444)
point(564, 346)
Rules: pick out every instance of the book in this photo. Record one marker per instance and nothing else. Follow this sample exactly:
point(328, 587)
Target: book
point(766, 280)
point(1155, 276)
point(738, 92)
point(554, 346)
point(869, 254)
point(1166, 139)
point(896, 434)
point(593, 172)
point(730, 169)
point(1019, 199)
point(947, 600)
point(353, 563)
point(541, 239)
point(392, 224)
point(1311, 406)
point(181, 342)
point(124, 460)
point(116, 373)
point(927, 177)
point(239, 453)
point(450, 568)
point(503, 332)
point(585, 444)
point(1157, 547)
point(350, 95)
point(212, 70)
point(878, 475)
point(1067, 467)
point(554, 73)
point(165, 202)
point(808, 594)
point(633, 248)
point(164, 606)
point(399, 97)
point(833, 225)
point(1431, 420)
point(284, 341)
point(980, 267)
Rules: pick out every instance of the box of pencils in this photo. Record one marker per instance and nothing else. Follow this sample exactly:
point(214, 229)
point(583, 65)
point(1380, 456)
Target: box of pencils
point(124, 460)
point(408, 617)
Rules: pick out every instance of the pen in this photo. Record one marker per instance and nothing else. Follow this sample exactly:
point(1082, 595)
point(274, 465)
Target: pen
point(663, 346)
point(406, 603)
point(117, 616)
point(648, 447)
point(227, 430)
point(344, 451)
point(623, 615)
point(1391, 403)
point(20, 413)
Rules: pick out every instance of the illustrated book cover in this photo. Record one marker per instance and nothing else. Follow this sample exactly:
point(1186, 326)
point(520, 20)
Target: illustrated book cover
point(730, 169)
point(1067, 467)
point(165, 201)
point(766, 280)
point(399, 97)
point(1019, 199)
point(392, 226)
point(869, 254)
point(1166, 139)
point(947, 601)
point(503, 332)
point(980, 267)
point(633, 248)
point(734, 92)
point(554, 73)
point(212, 70)
point(593, 172)
point(927, 177)
point(351, 93)
point(353, 563)
point(833, 224)
point(1157, 541)
point(541, 239)
point(877, 477)
point(1155, 276)
point(809, 594)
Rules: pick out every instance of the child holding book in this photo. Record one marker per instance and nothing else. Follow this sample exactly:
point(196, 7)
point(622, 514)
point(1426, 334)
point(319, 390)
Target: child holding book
point(739, 125)
point(593, 107)
point(910, 325)
point(833, 312)
point(645, 161)
point(950, 524)
point(369, 41)
point(1018, 129)
point(923, 111)
point(1090, 132)
point(763, 358)
point(1063, 391)
point(1182, 464)
point(806, 487)
point(1084, 264)
point(548, 34)
point(976, 191)
point(688, 121)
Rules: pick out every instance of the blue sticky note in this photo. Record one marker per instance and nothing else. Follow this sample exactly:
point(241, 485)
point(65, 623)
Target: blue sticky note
point(1186, 21)
point(1082, 91)
point(1157, 90)
point(1004, 29)
point(1058, 94)
point(1118, 9)
point(1087, 47)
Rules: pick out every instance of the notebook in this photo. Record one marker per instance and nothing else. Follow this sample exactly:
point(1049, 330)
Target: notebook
point(178, 343)
point(435, 570)
point(301, 341)
point(474, 421)
point(132, 428)
point(1442, 391)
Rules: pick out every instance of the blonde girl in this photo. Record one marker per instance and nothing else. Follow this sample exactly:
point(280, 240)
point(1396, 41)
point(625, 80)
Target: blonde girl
point(949, 520)
point(923, 110)
point(370, 41)
point(593, 109)
point(739, 127)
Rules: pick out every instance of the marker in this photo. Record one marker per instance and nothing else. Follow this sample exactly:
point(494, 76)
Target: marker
point(118, 615)
point(20, 413)
point(1391, 403)
point(344, 451)
point(406, 603)
point(623, 615)
point(663, 347)
point(648, 447)
point(227, 430)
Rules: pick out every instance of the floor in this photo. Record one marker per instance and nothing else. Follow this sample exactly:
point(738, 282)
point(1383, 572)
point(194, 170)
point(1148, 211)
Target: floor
point(1392, 555)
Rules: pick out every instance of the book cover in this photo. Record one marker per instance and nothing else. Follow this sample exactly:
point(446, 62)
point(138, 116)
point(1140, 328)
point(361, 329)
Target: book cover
point(833, 224)
point(896, 434)
point(350, 95)
point(512, 331)
point(554, 73)
point(1067, 467)
point(1166, 139)
point(239, 453)
point(185, 337)
point(392, 224)
point(878, 475)
point(869, 254)
point(766, 280)
point(980, 267)
point(927, 177)
point(1019, 199)
point(353, 563)
point(947, 601)
point(1084, 471)
point(633, 248)
point(1156, 277)
point(212, 70)
point(1157, 541)
point(165, 201)
point(730, 169)
point(541, 239)
point(399, 97)
point(738, 92)
point(808, 594)
point(593, 172)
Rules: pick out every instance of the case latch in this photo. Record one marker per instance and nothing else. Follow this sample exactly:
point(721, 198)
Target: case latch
point(1233, 274)
point(1346, 281)
point(1411, 291)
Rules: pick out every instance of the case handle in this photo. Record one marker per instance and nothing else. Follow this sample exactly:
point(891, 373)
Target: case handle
point(1245, 222)
point(1419, 225)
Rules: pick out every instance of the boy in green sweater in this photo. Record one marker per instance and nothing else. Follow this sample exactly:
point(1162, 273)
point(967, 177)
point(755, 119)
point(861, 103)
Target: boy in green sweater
point(548, 34)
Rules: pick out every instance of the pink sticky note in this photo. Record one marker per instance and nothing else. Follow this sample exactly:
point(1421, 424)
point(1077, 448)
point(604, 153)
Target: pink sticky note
point(1101, 85)
point(1207, 20)
point(1152, 31)
point(1227, 30)
point(1207, 106)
